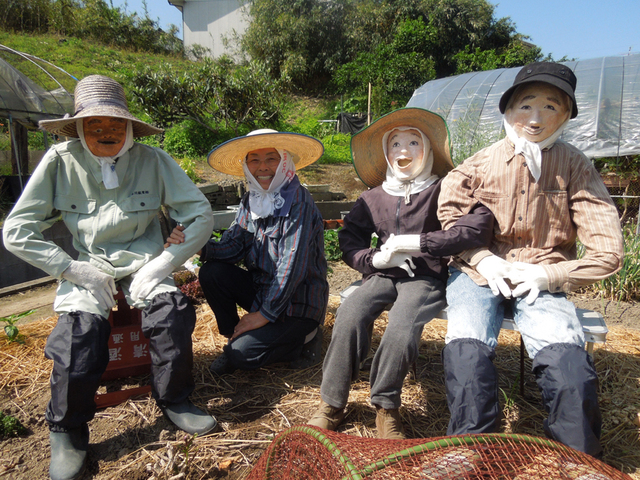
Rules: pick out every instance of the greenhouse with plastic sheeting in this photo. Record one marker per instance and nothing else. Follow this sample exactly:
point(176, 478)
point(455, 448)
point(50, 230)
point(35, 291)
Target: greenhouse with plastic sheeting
point(607, 125)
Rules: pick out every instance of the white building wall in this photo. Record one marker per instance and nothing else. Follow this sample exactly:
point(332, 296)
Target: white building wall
point(205, 22)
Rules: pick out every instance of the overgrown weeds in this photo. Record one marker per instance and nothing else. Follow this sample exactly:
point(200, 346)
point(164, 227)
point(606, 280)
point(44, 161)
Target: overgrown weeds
point(624, 286)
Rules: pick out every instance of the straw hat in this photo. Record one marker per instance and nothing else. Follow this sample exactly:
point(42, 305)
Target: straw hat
point(229, 156)
point(97, 96)
point(368, 154)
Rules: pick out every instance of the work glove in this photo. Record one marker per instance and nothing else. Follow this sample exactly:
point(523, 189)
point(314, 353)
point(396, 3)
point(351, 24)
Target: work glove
point(529, 278)
point(101, 285)
point(401, 243)
point(382, 261)
point(495, 270)
point(146, 279)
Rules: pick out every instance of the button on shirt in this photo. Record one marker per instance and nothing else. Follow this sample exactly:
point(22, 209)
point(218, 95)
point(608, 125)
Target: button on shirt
point(538, 223)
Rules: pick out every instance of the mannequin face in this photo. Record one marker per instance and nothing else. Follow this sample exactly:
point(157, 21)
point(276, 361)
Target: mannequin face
point(536, 110)
point(405, 152)
point(263, 164)
point(105, 136)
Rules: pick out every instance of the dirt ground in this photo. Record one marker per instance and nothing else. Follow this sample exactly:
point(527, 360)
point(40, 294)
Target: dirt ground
point(133, 441)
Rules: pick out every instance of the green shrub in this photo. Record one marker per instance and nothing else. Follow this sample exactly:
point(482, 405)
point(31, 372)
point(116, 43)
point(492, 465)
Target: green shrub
point(189, 139)
point(337, 149)
point(332, 250)
point(189, 167)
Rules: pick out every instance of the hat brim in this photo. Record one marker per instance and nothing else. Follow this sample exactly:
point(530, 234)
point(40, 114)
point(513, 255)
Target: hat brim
point(368, 154)
point(543, 78)
point(66, 127)
point(229, 156)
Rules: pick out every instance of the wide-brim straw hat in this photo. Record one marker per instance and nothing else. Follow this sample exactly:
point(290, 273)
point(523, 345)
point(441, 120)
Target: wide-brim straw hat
point(368, 154)
point(229, 156)
point(98, 96)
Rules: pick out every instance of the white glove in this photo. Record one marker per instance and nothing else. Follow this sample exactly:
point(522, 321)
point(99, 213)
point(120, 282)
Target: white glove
point(495, 270)
point(381, 262)
point(145, 279)
point(101, 285)
point(529, 278)
point(401, 243)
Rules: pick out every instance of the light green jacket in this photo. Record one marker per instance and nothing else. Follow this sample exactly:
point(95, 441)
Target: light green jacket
point(116, 230)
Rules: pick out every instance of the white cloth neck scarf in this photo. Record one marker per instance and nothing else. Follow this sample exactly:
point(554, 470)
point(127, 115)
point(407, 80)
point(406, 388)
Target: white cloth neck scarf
point(263, 203)
point(108, 164)
point(532, 151)
point(405, 188)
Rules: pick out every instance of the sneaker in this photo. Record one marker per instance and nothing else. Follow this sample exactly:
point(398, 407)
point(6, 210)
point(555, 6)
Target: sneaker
point(221, 365)
point(311, 352)
point(389, 424)
point(327, 417)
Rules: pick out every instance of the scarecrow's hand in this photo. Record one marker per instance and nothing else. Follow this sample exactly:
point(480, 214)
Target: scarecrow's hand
point(101, 285)
point(401, 243)
point(495, 270)
point(402, 260)
point(529, 278)
point(146, 279)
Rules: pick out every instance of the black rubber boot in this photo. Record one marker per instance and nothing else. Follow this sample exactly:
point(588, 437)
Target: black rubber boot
point(68, 453)
point(568, 381)
point(471, 381)
point(186, 416)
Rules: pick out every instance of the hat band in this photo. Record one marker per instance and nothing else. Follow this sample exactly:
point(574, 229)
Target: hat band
point(101, 103)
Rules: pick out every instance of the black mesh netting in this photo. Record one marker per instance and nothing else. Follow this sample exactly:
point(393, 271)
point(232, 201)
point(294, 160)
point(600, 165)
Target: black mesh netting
point(305, 452)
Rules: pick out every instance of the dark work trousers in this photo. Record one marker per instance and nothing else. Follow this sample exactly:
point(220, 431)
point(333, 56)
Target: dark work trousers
point(226, 286)
point(78, 346)
point(568, 381)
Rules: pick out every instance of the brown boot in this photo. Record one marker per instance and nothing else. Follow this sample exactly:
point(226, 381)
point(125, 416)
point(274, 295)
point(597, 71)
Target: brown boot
point(389, 424)
point(327, 417)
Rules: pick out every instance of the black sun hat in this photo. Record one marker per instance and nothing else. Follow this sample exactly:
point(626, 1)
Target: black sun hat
point(98, 96)
point(368, 154)
point(556, 74)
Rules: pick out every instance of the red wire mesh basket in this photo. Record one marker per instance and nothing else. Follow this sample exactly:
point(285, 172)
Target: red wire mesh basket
point(305, 452)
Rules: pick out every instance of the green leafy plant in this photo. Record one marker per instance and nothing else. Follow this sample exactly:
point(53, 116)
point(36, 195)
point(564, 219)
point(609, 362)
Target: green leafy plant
point(624, 286)
point(189, 167)
point(10, 329)
point(10, 426)
point(332, 250)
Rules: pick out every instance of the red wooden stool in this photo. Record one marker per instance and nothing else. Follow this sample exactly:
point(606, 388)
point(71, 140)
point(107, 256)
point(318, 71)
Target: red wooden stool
point(128, 352)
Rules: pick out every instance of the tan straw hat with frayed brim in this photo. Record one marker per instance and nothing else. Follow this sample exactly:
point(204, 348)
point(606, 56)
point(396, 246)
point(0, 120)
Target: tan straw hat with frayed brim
point(98, 96)
point(229, 156)
point(366, 145)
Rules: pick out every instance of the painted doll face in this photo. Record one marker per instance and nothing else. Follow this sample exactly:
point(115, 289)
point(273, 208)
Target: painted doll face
point(263, 164)
point(537, 110)
point(104, 136)
point(405, 153)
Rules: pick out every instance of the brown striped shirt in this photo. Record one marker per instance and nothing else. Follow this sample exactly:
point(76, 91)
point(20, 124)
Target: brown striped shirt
point(537, 223)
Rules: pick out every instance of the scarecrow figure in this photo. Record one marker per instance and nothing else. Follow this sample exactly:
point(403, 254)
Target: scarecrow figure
point(401, 157)
point(108, 189)
point(544, 194)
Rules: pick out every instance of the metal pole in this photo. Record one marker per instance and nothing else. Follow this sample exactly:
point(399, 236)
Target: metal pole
point(369, 106)
point(15, 148)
